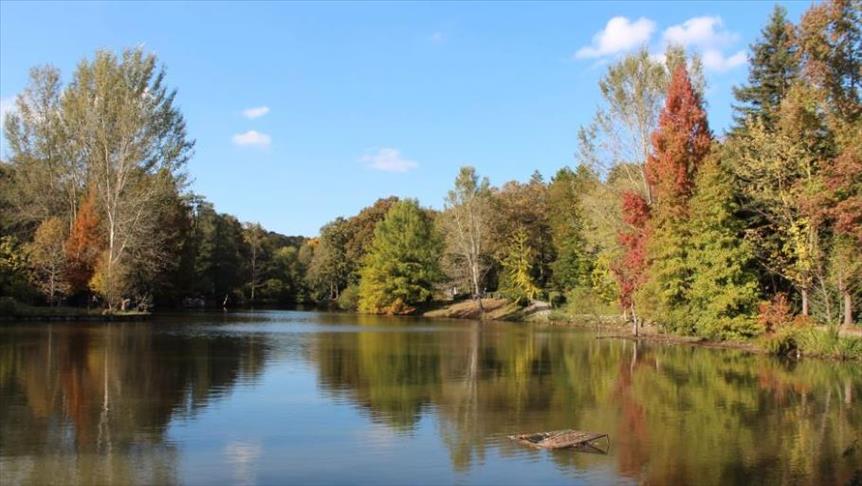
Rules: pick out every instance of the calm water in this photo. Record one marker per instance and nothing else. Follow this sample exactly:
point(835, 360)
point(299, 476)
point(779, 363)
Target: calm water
point(303, 397)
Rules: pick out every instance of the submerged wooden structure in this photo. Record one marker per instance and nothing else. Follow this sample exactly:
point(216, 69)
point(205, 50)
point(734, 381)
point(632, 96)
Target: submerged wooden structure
point(562, 439)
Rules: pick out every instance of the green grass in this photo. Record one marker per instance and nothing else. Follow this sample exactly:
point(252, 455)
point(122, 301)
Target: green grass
point(822, 341)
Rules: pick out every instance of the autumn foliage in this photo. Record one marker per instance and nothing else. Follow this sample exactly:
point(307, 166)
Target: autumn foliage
point(83, 245)
point(630, 270)
point(679, 145)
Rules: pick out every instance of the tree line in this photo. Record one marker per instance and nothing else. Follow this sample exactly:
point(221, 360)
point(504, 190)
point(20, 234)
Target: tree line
point(723, 236)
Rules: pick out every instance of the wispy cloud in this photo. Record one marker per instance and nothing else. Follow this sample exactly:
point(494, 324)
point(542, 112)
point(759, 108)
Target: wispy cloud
point(252, 138)
point(703, 32)
point(706, 34)
point(619, 35)
point(438, 37)
point(388, 160)
point(256, 112)
point(713, 59)
point(709, 35)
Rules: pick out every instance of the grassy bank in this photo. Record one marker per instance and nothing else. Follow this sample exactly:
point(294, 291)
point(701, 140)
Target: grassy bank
point(792, 340)
point(13, 310)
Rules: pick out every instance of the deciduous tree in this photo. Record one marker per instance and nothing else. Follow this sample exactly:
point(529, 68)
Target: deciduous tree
point(466, 227)
point(48, 259)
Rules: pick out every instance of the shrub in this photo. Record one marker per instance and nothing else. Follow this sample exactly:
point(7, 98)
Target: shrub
point(775, 314)
point(349, 298)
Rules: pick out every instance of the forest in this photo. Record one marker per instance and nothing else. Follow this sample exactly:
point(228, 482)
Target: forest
point(756, 231)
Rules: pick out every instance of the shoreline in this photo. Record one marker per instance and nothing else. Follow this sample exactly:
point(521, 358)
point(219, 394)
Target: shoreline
point(496, 310)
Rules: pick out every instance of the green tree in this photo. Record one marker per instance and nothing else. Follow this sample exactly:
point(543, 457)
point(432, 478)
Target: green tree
point(13, 268)
point(47, 170)
point(680, 145)
point(218, 256)
point(402, 265)
point(136, 143)
point(574, 260)
point(723, 292)
point(773, 67)
point(329, 270)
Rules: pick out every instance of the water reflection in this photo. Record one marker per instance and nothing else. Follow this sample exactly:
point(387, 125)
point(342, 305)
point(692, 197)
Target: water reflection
point(676, 415)
point(90, 404)
point(97, 404)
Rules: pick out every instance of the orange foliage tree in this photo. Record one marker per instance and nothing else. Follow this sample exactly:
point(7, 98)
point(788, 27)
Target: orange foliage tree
point(84, 245)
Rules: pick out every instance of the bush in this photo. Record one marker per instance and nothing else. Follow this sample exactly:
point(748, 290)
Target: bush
point(348, 300)
point(737, 327)
point(819, 341)
point(783, 342)
point(583, 301)
point(775, 314)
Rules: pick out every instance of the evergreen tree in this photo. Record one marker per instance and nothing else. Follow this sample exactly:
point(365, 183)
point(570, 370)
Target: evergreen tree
point(724, 291)
point(773, 67)
point(402, 264)
point(679, 146)
point(574, 262)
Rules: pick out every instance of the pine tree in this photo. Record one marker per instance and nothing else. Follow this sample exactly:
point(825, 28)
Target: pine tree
point(773, 68)
point(574, 262)
point(679, 146)
point(724, 292)
point(402, 265)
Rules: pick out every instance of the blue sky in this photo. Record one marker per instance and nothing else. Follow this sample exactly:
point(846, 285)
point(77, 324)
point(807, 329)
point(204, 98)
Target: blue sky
point(303, 112)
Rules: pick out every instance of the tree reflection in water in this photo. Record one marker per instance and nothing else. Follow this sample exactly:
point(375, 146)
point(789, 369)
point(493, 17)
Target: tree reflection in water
point(93, 404)
point(676, 414)
point(90, 404)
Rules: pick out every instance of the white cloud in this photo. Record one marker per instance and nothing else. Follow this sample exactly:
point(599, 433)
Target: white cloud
point(703, 32)
point(437, 37)
point(713, 59)
point(257, 112)
point(620, 34)
point(388, 160)
point(252, 138)
point(708, 35)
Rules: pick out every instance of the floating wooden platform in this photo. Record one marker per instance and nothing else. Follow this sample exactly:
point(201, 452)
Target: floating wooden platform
point(560, 439)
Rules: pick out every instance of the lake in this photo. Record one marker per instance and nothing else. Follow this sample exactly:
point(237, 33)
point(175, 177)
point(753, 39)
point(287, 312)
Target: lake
point(276, 397)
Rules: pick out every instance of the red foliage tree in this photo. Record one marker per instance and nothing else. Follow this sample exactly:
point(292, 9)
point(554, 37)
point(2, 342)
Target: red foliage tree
point(630, 271)
point(680, 143)
point(84, 245)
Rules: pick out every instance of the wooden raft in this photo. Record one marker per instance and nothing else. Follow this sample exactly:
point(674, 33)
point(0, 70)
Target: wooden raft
point(560, 439)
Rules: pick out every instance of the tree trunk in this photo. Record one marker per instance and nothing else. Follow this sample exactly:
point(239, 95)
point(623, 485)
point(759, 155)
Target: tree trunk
point(634, 321)
point(848, 308)
point(477, 294)
point(804, 293)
